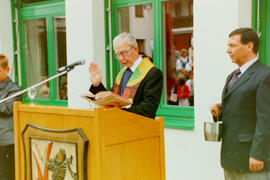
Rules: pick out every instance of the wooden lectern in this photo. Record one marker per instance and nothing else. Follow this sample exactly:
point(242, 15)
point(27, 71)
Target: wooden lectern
point(122, 145)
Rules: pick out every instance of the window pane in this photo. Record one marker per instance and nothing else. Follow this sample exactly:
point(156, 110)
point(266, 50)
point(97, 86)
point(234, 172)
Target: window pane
point(36, 55)
point(131, 18)
point(60, 55)
point(178, 52)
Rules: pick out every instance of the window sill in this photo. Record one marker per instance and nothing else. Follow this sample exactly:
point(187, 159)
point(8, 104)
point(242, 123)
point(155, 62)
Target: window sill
point(177, 117)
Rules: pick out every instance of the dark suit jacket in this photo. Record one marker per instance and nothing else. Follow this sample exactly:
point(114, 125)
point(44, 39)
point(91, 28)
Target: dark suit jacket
point(246, 118)
point(148, 94)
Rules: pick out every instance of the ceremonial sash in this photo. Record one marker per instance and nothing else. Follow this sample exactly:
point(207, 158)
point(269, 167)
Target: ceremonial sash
point(135, 80)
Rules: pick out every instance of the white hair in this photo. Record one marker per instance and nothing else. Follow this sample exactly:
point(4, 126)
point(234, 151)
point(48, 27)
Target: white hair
point(131, 40)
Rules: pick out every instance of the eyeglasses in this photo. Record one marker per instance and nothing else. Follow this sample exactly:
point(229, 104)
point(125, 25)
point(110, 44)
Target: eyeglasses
point(122, 53)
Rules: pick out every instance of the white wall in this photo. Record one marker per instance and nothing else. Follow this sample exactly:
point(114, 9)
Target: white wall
point(188, 156)
point(245, 13)
point(85, 40)
point(6, 40)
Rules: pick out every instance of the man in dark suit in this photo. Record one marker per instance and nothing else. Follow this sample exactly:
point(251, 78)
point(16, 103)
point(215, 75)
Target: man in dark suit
point(245, 111)
point(139, 79)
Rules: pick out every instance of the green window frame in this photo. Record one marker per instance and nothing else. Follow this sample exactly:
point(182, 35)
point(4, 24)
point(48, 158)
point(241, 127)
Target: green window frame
point(175, 117)
point(46, 10)
point(40, 3)
point(261, 23)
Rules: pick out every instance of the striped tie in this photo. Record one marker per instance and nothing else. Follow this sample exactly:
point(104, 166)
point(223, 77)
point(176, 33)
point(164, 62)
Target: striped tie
point(234, 78)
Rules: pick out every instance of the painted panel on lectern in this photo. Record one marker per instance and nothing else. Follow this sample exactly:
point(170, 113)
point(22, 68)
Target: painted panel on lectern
point(57, 158)
point(51, 154)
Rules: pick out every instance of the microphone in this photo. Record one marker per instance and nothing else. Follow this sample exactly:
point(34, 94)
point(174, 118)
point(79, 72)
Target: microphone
point(72, 65)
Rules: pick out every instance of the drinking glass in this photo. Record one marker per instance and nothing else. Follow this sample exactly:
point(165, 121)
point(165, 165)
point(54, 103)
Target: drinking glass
point(31, 93)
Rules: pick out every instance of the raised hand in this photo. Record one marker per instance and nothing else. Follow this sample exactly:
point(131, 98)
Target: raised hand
point(95, 74)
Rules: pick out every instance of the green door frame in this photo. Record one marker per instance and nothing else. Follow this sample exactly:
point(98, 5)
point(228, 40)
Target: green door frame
point(264, 27)
point(45, 10)
point(175, 116)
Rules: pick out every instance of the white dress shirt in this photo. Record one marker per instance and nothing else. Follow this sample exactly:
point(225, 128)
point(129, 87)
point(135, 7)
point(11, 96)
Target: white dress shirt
point(136, 64)
point(244, 67)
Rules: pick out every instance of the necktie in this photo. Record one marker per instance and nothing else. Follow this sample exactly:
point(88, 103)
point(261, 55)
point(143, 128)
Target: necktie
point(234, 78)
point(124, 80)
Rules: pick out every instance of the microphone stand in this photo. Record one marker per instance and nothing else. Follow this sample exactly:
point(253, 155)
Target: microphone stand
point(36, 85)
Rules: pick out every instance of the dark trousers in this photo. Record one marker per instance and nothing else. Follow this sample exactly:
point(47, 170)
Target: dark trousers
point(7, 167)
point(234, 175)
point(191, 100)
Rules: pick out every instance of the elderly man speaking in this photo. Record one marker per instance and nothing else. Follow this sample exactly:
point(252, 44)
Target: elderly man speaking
point(139, 79)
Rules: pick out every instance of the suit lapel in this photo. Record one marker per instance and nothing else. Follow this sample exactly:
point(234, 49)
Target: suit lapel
point(242, 79)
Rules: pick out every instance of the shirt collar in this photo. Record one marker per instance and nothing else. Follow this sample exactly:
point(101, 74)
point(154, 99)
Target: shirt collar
point(244, 67)
point(4, 83)
point(136, 64)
